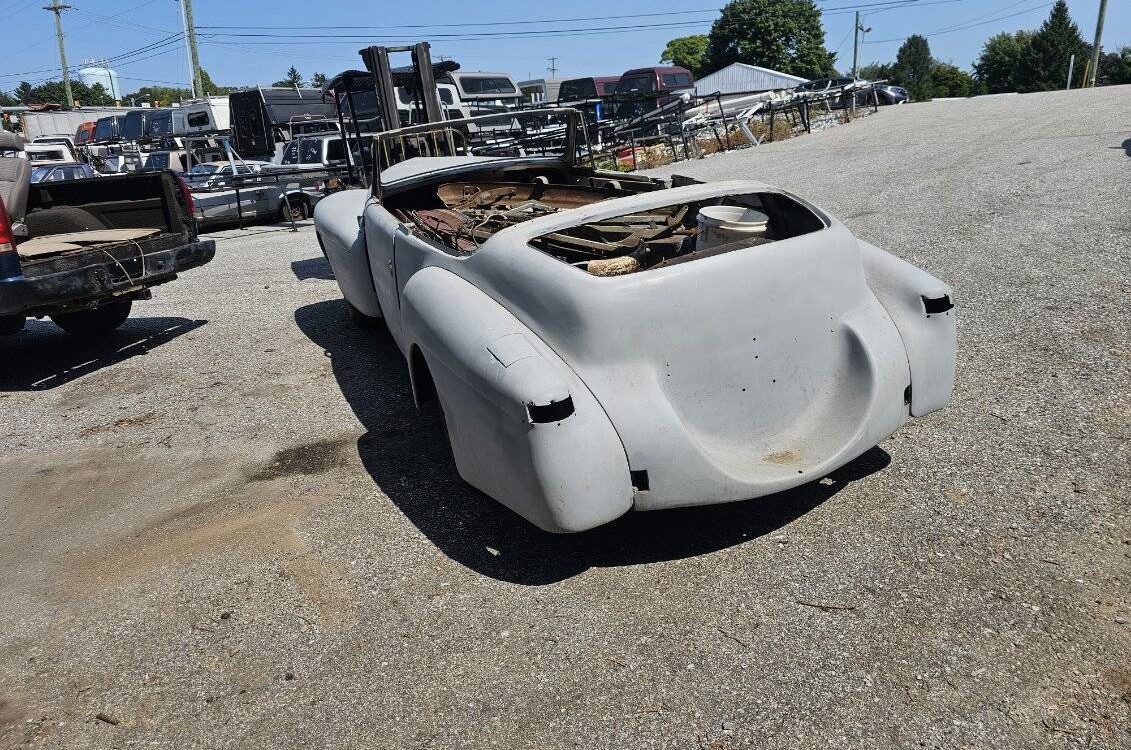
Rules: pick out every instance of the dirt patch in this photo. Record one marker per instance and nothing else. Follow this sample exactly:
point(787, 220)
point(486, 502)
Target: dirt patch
point(1120, 679)
point(318, 457)
point(139, 420)
point(783, 457)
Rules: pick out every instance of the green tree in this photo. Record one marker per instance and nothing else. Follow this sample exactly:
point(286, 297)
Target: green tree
point(318, 80)
point(54, 92)
point(998, 68)
point(160, 96)
point(1044, 63)
point(783, 35)
point(293, 79)
point(687, 52)
point(875, 71)
point(1115, 68)
point(7, 100)
point(211, 88)
point(950, 80)
point(912, 68)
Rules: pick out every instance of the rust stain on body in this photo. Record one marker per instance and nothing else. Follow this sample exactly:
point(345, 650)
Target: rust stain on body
point(784, 457)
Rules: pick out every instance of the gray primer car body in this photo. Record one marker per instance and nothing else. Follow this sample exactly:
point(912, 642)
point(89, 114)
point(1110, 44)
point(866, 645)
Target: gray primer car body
point(573, 398)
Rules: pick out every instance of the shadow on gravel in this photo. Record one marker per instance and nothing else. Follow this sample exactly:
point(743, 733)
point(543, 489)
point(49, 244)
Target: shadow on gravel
point(312, 268)
point(1126, 146)
point(42, 356)
point(408, 457)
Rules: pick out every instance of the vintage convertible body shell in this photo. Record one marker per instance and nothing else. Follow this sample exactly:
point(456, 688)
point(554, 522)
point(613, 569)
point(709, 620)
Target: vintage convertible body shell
point(572, 398)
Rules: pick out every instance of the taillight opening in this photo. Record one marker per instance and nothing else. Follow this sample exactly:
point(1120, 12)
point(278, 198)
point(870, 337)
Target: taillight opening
point(186, 195)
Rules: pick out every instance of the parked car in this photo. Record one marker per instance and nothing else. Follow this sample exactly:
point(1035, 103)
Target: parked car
point(62, 172)
point(742, 342)
point(82, 251)
point(218, 175)
point(84, 134)
point(49, 153)
point(888, 94)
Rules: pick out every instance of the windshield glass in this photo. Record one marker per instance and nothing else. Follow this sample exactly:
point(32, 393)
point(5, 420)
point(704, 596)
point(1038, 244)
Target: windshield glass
point(38, 173)
point(635, 84)
point(486, 85)
point(205, 168)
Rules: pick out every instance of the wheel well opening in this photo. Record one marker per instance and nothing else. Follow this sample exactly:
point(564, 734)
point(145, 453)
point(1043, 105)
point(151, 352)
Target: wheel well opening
point(423, 387)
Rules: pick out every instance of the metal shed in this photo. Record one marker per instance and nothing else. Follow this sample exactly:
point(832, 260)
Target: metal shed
point(740, 78)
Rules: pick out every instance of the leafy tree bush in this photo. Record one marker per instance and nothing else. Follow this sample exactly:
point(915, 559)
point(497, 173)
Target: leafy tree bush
point(1044, 62)
point(293, 79)
point(783, 35)
point(687, 52)
point(1115, 68)
point(950, 80)
point(913, 67)
point(998, 68)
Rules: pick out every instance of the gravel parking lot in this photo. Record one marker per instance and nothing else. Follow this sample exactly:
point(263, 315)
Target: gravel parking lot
point(227, 526)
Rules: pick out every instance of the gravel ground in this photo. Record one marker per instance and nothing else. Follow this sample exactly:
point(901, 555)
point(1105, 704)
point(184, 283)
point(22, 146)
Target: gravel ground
point(228, 527)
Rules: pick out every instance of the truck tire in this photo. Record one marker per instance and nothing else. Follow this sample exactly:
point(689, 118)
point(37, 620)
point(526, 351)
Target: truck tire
point(100, 320)
point(10, 325)
point(298, 210)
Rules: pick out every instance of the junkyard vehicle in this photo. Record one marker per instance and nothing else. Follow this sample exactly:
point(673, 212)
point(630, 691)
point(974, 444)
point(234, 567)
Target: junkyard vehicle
point(108, 129)
point(81, 251)
point(85, 133)
point(58, 140)
point(602, 341)
point(261, 118)
point(49, 153)
point(206, 115)
point(60, 172)
point(583, 89)
point(224, 193)
point(482, 92)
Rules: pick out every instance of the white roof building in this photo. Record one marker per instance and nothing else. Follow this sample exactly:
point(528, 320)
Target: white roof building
point(739, 78)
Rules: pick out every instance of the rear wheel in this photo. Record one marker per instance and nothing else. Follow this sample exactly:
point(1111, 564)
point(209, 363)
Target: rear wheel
point(100, 320)
point(298, 210)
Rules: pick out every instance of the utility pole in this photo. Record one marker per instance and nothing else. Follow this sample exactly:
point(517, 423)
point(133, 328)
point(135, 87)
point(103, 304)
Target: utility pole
point(194, 54)
point(58, 9)
point(1096, 43)
point(188, 53)
point(1071, 65)
point(857, 33)
point(553, 67)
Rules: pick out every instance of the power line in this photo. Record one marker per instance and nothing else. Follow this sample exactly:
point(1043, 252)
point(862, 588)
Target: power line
point(966, 26)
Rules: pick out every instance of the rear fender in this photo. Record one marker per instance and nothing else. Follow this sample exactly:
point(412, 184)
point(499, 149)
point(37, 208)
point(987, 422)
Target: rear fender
point(524, 428)
point(922, 308)
point(343, 241)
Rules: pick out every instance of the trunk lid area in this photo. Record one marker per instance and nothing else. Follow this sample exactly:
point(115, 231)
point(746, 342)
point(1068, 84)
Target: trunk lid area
point(739, 374)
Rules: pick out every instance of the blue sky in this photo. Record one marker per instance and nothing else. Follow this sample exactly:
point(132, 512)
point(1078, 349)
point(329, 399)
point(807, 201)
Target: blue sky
point(108, 28)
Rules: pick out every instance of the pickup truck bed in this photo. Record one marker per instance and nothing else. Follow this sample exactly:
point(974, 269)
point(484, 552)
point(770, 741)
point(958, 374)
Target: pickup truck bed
point(99, 243)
